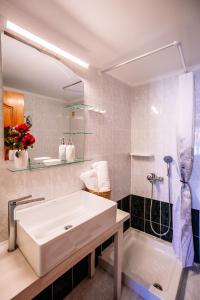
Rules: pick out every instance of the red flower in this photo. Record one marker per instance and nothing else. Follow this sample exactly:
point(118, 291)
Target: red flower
point(22, 128)
point(28, 140)
point(17, 138)
point(14, 133)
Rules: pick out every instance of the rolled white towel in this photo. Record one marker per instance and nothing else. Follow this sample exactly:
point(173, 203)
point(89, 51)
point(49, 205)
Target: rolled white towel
point(101, 168)
point(90, 180)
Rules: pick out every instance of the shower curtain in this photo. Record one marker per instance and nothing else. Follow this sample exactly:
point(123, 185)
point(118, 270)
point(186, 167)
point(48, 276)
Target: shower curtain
point(182, 225)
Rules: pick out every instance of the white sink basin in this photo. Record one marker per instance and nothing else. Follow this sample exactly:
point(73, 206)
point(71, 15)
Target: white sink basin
point(42, 230)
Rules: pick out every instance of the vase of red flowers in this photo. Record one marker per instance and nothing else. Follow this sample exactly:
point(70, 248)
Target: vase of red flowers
point(9, 143)
point(20, 140)
point(11, 154)
point(21, 159)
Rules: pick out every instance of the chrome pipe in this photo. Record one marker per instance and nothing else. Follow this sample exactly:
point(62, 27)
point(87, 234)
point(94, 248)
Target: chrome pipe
point(30, 201)
point(12, 204)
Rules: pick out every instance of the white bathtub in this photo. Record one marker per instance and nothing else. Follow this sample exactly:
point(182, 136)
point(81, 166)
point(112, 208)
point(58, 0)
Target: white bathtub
point(147, 260)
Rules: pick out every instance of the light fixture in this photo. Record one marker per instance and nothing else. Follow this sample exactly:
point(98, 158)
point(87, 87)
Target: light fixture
point(45, 44)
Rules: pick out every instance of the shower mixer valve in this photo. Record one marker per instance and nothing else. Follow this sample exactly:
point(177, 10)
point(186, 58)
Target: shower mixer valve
point(153, 178)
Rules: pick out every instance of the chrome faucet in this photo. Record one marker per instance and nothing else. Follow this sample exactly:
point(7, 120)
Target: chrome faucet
point(152, 177)
point(12, 204)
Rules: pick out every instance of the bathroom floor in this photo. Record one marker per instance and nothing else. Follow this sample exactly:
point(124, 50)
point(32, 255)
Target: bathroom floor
point(99, 288)
point(147, 261)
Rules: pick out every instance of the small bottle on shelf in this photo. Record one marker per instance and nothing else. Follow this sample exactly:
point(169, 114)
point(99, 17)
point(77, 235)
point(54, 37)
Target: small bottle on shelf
point(62, 149)
point(70, 151)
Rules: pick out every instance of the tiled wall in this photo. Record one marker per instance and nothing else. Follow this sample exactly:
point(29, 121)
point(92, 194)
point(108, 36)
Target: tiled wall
point(110, 141)
point(196, 233)
point(49, 123)
point(140, 216)
point(195, 178)
point(50, 120)
point(153, 130)
point(111, 132)
point(140, 219)
point(153, 123)
point(64, 285)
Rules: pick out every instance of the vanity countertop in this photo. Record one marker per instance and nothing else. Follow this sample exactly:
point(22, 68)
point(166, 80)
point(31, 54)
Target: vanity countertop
point(18, 280)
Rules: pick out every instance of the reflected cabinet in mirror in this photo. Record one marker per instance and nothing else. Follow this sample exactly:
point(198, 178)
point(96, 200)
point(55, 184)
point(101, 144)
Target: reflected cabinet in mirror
point(43, 103)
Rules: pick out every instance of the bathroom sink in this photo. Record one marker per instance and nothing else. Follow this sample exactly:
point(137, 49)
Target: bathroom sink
point(50, 232)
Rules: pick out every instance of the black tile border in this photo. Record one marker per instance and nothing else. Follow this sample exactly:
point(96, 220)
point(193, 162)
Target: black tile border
point(195, 222)
point(168, 237)
point(160, 216)
point(196, 249)
point(107, 243)
point(137, 206)
point(156, 207)
point(62, 286)
point(140, 220)
point(165, 214)
point(45, 294)
point(80, 271)
point(138, 223)
point(156, 227)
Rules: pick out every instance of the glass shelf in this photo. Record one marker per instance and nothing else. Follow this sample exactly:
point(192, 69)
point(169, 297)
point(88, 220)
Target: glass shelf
point(79, 106)
point(85, 107)
point(41, 165)
point(80, 132)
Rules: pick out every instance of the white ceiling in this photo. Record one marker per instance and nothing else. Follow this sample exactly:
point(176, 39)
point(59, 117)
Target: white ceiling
point(104, 32)
point(27, 69)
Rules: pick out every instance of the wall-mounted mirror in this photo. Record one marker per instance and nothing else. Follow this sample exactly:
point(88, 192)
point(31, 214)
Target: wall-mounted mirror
point(37, 88)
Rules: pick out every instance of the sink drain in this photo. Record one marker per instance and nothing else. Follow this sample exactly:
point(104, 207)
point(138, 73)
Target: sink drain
point(158, 286)
point(67, 227)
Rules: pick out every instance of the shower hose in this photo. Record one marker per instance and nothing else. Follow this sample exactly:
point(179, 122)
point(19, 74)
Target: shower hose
point(169, 209)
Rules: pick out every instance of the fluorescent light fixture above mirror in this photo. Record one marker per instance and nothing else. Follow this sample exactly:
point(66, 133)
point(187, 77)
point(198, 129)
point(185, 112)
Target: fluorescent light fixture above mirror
point(45, 44)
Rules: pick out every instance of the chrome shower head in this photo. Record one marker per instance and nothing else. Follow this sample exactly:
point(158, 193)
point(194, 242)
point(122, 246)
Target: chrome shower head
point(168, 159)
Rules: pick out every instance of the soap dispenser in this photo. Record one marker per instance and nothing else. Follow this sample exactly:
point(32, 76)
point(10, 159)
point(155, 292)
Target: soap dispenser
point(62, 149)
point(70, 151)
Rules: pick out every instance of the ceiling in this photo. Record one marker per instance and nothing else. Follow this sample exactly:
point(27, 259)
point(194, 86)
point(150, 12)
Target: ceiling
point(27, 69)
point(110, 31)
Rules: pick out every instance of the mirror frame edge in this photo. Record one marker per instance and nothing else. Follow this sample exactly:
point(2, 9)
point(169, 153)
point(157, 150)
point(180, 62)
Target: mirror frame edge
point(2, 28)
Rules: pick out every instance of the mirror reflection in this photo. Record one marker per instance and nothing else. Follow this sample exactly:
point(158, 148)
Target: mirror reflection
point(38, 91)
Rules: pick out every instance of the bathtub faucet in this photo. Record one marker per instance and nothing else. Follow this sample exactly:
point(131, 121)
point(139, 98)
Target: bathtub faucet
point(12, 204)
point(152, 177)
